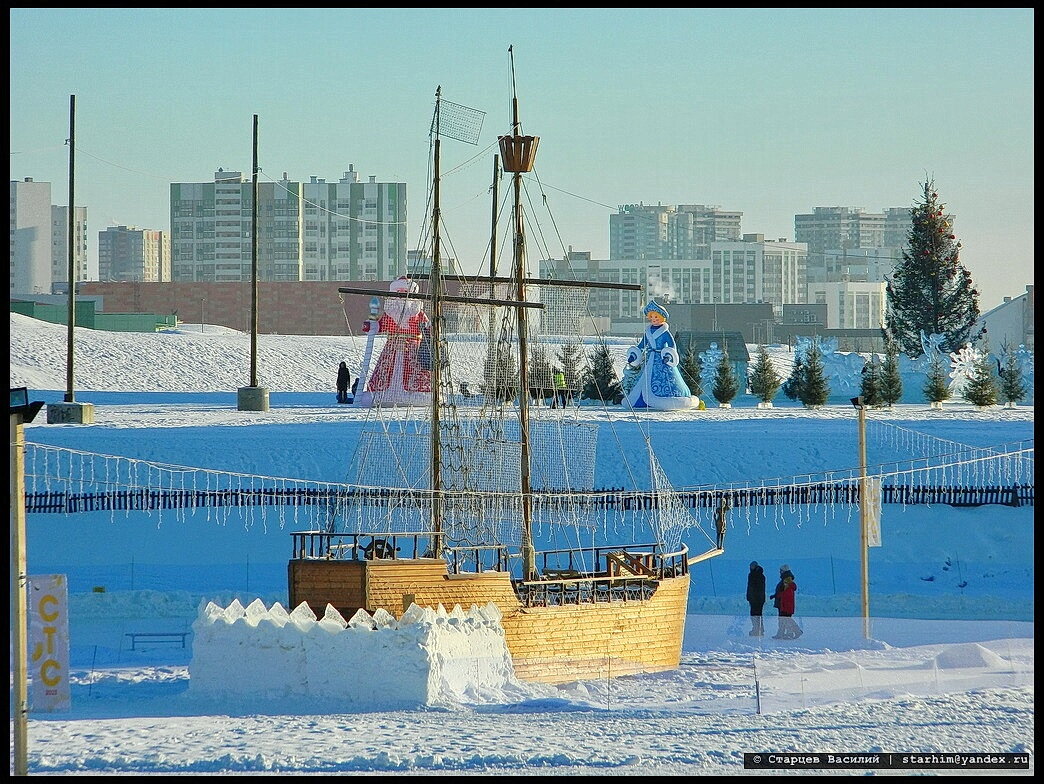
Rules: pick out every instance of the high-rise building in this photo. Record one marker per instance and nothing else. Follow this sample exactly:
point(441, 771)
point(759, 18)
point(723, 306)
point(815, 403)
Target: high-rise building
point(831, 231)
point(39, 244)
point(348, 230)
point(747, 270)
point(85, 268)
point(684, 231)
point(31, 237)
point(127, 253)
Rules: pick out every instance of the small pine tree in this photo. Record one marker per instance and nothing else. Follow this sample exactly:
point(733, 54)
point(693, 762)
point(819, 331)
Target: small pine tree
point(764, 380)
point(570, 359)
point(981, 388)
point(796, 379)
point(538, 373)
point(725, 384)
point(691, 369)
point(815, 390)
point(890, 388)
point(501, 375)
point(602, 383)
point(870, 384)
point(1012, 385)
point(935, 388)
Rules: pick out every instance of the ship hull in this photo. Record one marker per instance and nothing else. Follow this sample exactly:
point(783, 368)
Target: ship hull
point(555, 643)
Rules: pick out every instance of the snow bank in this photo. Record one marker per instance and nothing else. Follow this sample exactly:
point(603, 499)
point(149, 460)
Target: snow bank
point(426, 658)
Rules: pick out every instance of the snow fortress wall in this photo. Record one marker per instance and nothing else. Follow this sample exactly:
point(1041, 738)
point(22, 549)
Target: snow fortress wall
point(427, 657)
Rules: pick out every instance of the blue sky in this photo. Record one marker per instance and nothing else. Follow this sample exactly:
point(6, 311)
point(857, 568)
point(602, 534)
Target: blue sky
point(768, 112)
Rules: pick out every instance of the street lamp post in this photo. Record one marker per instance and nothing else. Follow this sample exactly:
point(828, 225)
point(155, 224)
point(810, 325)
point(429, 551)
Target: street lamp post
point(202, 320)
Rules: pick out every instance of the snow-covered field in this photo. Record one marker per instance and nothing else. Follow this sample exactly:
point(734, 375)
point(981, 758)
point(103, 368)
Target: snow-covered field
point(948, 668)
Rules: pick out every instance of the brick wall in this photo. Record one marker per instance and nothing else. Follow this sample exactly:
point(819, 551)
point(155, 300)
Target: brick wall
point(305, 308)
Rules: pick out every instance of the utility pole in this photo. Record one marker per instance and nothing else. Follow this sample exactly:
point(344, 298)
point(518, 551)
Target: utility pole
point(864, 544)
point(69, 411)
point(253, 397)
point(22, 411)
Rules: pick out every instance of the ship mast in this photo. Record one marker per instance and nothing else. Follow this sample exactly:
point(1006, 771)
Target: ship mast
point(436, 346)
point(519, 153)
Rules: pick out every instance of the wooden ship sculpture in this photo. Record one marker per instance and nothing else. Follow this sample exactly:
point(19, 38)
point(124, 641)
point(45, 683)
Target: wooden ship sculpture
point(449, 501)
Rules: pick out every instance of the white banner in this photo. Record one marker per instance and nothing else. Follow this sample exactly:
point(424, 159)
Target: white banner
point(873, 511)
point(49, 644)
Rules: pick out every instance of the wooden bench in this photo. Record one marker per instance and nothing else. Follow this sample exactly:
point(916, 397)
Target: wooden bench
point(158, 638)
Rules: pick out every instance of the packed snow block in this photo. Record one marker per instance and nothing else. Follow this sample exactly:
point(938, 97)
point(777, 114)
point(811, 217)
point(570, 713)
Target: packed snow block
point(427, 657)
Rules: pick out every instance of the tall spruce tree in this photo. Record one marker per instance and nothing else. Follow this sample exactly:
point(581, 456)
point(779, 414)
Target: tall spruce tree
point(931, 290)
point(691, 369)
point(935, 389)
point(725, 384)
point(602, 383)
point(764, 380)
point(890, 388)
point(870, 383)
point(814, 390)
point(1012, 384)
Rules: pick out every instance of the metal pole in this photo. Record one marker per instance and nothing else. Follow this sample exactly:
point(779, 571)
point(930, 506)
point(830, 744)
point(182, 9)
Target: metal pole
point(864, 549)
point(202, 320)
point(70, 395)
point(19, 610)
point(253, 272)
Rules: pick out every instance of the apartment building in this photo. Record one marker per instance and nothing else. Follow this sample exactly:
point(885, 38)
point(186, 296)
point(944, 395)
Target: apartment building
point(127, 253)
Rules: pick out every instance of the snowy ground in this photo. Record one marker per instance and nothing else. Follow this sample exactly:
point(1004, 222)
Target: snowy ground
point(947, 669)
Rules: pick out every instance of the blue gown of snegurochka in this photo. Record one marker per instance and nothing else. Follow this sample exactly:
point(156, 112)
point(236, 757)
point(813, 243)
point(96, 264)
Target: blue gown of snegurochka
point(660, 384)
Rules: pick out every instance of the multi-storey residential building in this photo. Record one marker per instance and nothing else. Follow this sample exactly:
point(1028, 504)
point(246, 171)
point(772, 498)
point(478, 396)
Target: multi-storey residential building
point(85, 267)
point(684, 231)
point(851, 304)
point(306, 231)
point(31, 237)
point(40, 241)
point(129, 253)
point(831, 231)
point(747, 270)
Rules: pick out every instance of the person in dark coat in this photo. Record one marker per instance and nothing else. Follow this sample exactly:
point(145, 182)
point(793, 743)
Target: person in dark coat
point(756, 598)
point(342, 383)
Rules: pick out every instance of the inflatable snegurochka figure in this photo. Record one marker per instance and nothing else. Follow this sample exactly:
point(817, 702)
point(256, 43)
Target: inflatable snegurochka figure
point(660, 384)
point(398, 377)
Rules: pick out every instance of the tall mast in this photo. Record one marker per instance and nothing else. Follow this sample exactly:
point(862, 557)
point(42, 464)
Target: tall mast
point(519, 153)
point(436, 348)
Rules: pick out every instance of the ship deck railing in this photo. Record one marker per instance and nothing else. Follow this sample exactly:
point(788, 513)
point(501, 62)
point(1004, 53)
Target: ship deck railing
point(574, 575)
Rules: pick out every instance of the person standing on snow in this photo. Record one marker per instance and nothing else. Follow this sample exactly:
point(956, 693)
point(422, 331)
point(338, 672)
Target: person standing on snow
point(342, 383)
point(786, 595)
point(756, 598)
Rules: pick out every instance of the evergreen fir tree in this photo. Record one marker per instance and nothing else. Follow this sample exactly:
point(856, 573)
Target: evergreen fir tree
point(764, 380)
point(725, 384)
point(870, 384)
point(691, 369)
point(570, 359)
point(931, 290)
point(796, 379)
point(538, 373)
point(981, 388)
point(815, 390)
point(890, 387)
point(501, 375)
point(602, 383)
point(1012, 385)
point(935, 389)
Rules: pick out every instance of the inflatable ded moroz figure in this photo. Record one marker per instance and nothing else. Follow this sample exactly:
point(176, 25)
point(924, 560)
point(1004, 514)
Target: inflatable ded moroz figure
point(660, 384)
point(399, 377)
